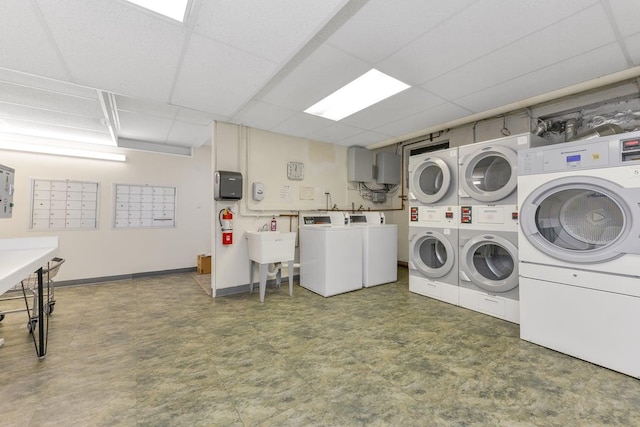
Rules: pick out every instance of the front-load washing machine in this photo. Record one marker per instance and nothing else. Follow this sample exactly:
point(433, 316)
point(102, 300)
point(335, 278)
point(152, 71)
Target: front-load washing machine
point(379, 248)
point(488, 175)
point(580, 249)
point(433, 262)
point(433, 178)
point(330, 254)
point(488, 272)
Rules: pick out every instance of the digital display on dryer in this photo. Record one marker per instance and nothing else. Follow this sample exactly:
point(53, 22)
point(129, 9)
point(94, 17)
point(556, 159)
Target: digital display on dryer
point(573, 159)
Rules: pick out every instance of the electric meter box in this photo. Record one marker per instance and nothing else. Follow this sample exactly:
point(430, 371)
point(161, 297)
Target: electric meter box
point(388, 166)
point(7, 176)
point(227, 185)
point(359, 164)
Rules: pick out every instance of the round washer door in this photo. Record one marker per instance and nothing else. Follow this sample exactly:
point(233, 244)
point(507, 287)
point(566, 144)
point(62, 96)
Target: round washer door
point(490, 174)
point(431, 180)
point(580, 219)
point(491, 262)
point(432, 254)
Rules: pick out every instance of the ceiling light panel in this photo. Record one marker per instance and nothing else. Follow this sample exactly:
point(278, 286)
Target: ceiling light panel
point(174, 9)
point(368, 89)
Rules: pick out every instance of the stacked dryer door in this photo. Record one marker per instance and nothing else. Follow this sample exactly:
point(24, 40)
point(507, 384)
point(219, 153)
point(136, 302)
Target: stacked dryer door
point(580, 249)
point(488, 236)
point(433, 231)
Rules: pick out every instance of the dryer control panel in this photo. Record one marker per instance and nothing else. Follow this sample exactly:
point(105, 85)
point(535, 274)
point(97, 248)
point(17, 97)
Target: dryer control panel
point(7, 176)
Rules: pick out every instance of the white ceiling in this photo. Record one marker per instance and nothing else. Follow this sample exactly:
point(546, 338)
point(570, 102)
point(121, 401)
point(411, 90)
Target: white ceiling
point(77, 70)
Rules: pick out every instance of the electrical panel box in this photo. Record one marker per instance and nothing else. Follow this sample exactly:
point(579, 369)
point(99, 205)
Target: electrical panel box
point(359, 164)
point(227, 185)
point(7, 176)
point(388, 166)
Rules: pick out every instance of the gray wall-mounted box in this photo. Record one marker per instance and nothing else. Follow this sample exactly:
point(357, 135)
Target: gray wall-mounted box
point(227, 185)
point(388, 166)
point(359, 164)
point(7, 176)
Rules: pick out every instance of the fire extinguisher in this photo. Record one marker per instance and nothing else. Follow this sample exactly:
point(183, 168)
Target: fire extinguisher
point(225, 217)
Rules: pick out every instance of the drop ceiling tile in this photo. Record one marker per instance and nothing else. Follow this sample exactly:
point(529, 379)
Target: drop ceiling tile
point(302, 125)
point(606, 60)
point(371, 35)
point(24, 43)
point(570, 37)
point(335, 133)
point(189, 135)
point(58, 132)
point(626, 13)
point(48, 100)
point(326, 70)
point(152, 108)
point(478, 30)
point(51, 117)
point(363, 139)
point(144, 127)
point(47, 84)
point(115, 47)
point(217, 78)
point(262, 115)
point(632, 45)
point(403, 104)
point(271, 30)
point(195, 116)
point(434, 116)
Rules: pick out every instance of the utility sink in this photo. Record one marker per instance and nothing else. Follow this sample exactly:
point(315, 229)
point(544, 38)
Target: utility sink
point(271, 246)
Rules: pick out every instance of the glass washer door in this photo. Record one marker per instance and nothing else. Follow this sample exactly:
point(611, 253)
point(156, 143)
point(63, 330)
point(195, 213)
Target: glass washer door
point(490, 174)
point(432, 254)
point(579, 219)
point(431, 180)
point(491, 262)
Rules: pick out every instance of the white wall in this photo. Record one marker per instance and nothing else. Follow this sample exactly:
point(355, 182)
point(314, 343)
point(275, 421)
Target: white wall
point(106, 251)
point(262, 156)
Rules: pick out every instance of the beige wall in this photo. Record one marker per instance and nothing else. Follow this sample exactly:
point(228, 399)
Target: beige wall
point(106, 251)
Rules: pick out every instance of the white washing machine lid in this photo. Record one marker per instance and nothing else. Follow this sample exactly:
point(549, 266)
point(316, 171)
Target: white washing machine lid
point(432, 254)
point(489, 174)
point(490, 262)
point(431, 180)
point(582, 219)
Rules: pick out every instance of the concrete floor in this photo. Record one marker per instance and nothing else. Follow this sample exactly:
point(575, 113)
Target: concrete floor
point(159, 352)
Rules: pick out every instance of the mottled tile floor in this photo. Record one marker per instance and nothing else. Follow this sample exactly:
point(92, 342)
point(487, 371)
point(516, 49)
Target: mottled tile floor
point(159, 352)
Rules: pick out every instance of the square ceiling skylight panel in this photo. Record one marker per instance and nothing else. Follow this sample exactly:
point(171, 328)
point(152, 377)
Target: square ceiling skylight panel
point(368, 89)
point(174, 9)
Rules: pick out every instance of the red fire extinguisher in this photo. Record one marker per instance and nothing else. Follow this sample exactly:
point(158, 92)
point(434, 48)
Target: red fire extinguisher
point(226, 223)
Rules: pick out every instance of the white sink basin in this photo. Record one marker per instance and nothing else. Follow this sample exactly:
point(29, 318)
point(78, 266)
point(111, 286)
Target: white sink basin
point(271, 246)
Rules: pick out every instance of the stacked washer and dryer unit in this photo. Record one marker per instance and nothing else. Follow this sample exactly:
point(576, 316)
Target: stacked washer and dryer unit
point(433, 225)
point(464, 216)
point(580, 249)
point(488, 243)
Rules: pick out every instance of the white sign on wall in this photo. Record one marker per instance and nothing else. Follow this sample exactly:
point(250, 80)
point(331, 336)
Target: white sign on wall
point(143, 206)
point(63, 204)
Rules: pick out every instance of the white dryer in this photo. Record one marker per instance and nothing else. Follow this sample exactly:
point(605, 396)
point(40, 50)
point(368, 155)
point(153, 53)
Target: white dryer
point(488, 175)
point(433, 262)
point(330, 254)
point(489, 272)
point(433, 178)
point(379, 248)
point(580, 249)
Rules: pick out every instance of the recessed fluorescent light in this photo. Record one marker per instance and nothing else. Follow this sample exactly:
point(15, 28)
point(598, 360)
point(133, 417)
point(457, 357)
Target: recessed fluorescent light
point(366, 90)
point(61, 151)
point(174, 9)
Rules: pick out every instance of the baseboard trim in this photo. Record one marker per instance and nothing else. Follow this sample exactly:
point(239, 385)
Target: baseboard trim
point(117, 278)
point(243, 289)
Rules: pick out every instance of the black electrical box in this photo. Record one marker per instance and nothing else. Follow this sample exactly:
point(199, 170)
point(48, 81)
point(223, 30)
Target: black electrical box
point(227, 185)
